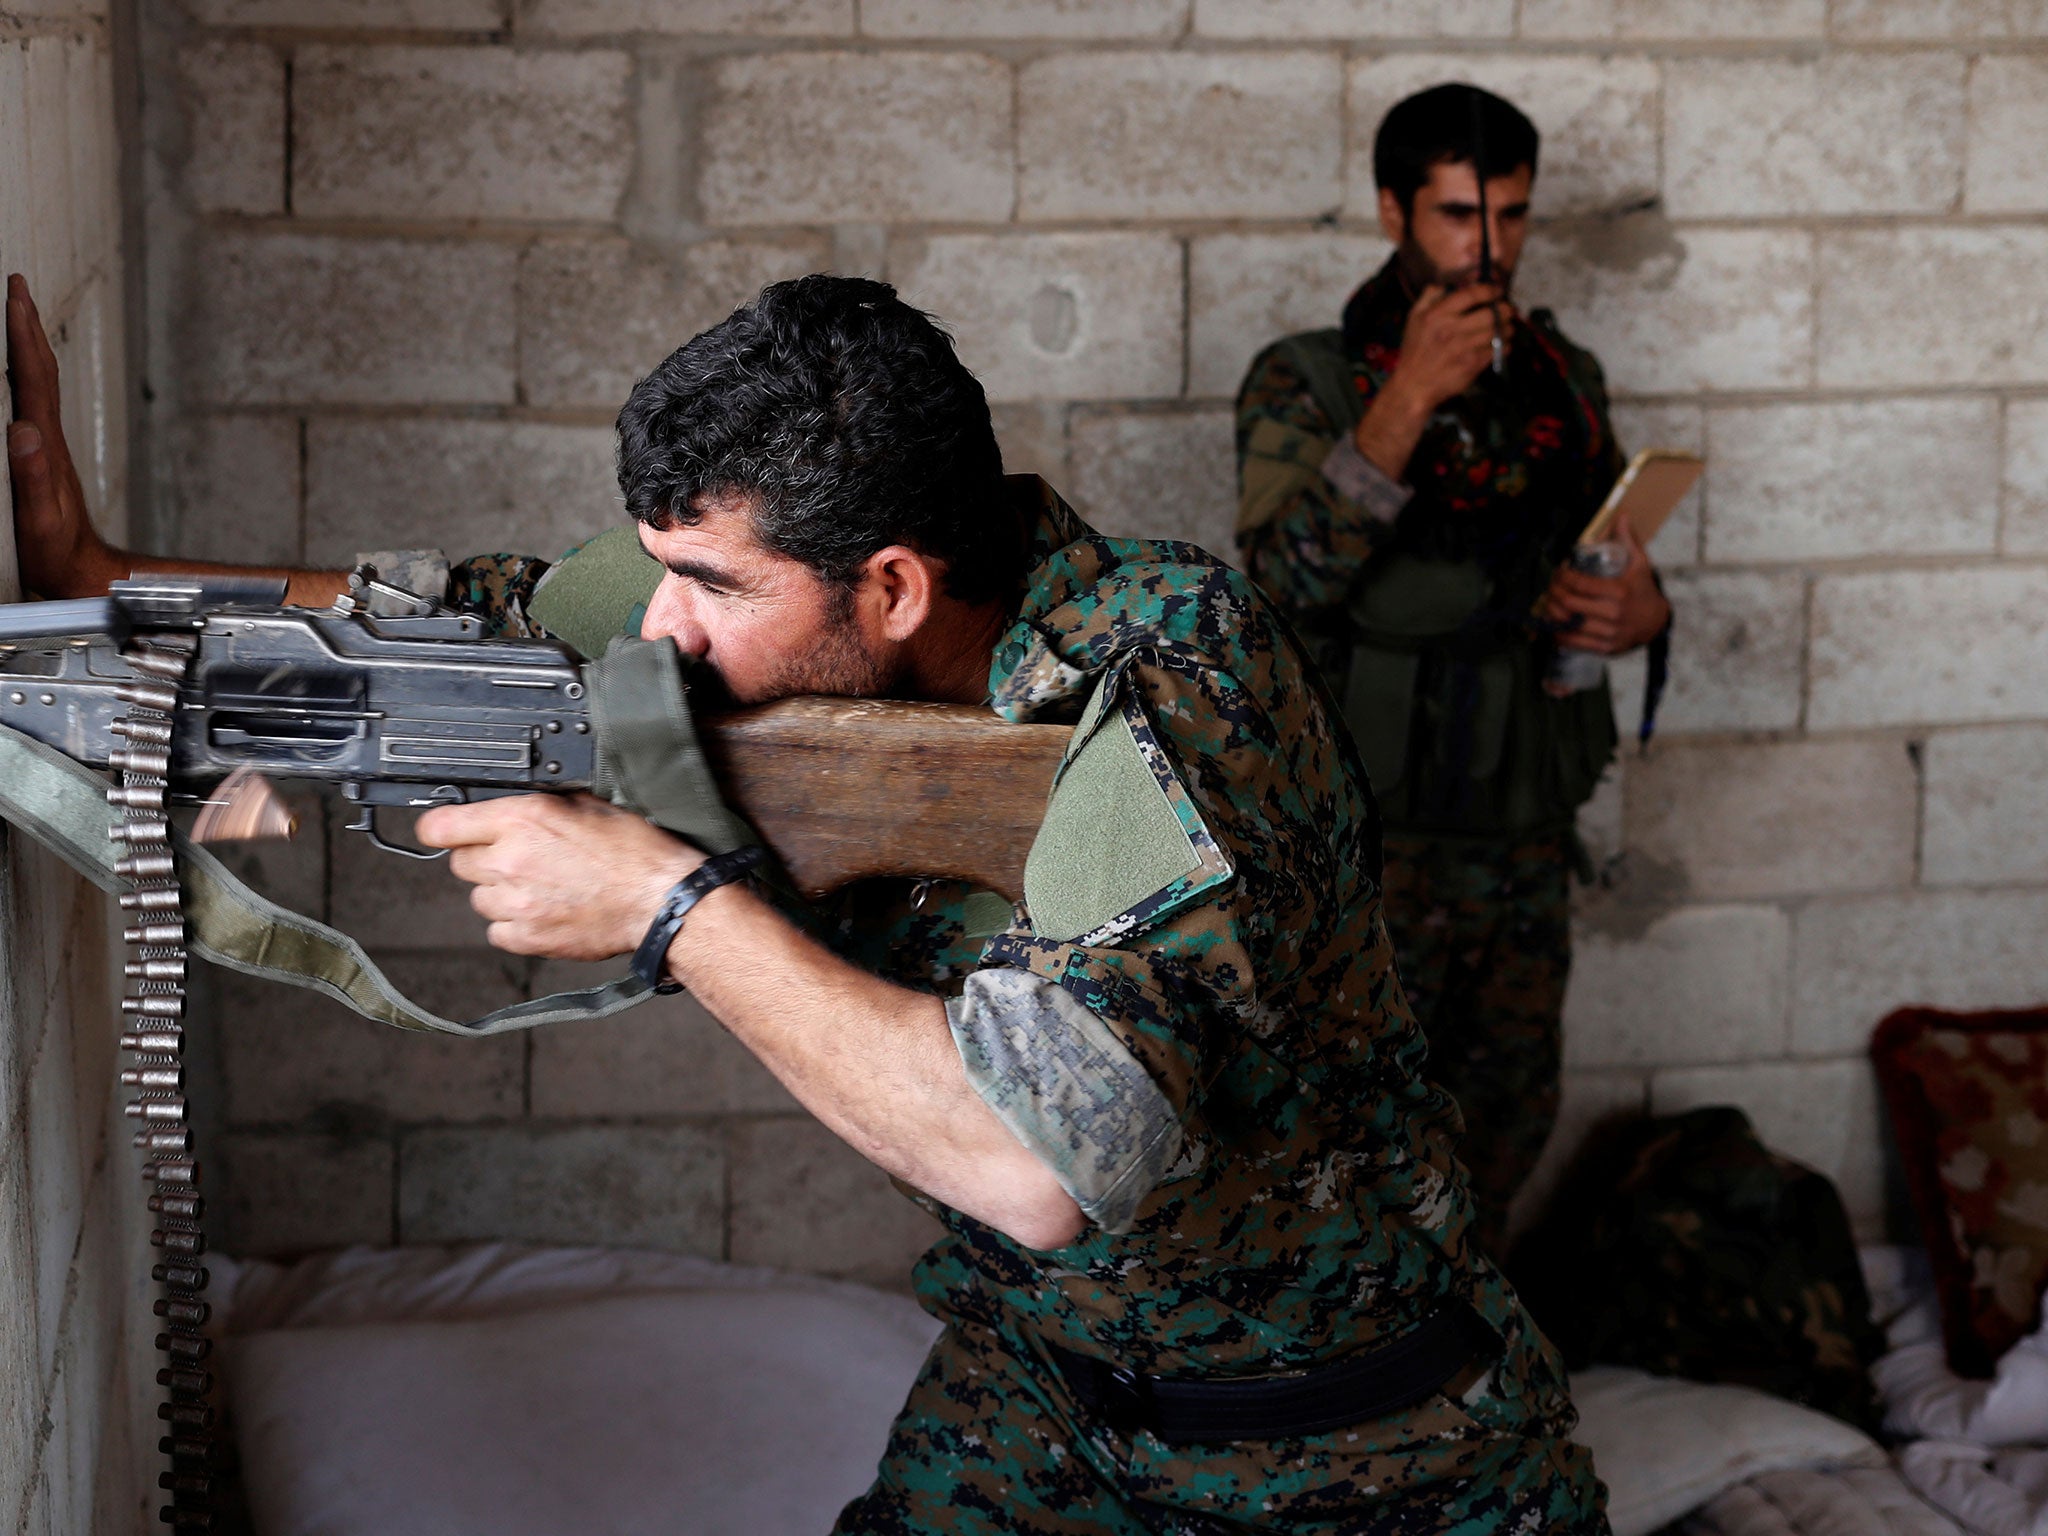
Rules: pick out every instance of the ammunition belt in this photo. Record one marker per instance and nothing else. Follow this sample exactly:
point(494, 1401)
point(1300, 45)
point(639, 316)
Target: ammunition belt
point(153, 1038)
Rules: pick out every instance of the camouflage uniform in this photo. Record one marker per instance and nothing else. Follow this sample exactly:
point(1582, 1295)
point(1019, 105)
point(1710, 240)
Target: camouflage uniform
point(1300, 1198)
point(1417, 598)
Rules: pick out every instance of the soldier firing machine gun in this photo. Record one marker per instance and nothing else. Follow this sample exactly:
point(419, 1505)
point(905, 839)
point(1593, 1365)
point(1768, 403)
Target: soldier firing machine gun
point(197, 692)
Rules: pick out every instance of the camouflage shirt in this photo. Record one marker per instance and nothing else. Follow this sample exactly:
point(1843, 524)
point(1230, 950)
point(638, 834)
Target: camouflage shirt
point(1419, 598)
point(1311, 1202)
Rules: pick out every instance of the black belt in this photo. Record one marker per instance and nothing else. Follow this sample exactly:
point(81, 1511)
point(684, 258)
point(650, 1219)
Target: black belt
point(1365, 1384)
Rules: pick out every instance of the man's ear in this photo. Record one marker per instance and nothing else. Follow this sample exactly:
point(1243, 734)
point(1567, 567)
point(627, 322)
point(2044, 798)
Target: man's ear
point(898, 589)
point(1393, 222)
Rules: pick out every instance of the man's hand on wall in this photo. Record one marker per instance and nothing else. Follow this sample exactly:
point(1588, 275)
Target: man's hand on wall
point(60, 553)
point(1609, 615)
point(1448, 340)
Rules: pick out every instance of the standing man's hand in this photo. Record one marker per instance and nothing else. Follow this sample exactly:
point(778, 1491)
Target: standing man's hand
point(59, 551)
point(1608, 614)
point(1446, 344)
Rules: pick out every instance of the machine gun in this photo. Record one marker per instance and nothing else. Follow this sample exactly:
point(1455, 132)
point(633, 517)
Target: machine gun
point(397, 701)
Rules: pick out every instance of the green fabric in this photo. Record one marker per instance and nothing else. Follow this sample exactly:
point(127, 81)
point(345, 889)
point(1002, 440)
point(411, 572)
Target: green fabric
point(598, 591)
point(1110, 837)
point(63, 806)
point(984, 913)
point(649, 758)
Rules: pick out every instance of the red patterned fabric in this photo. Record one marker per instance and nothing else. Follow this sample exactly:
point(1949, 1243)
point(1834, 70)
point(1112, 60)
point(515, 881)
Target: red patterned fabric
point(1968, 1095)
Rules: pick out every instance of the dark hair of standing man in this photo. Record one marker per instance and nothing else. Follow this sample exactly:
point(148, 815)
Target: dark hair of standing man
point(846, 419)
point(1435, 127)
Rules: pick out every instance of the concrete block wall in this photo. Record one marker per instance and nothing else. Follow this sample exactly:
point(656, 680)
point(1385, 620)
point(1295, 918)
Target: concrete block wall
point(77, 1436)
point(406, 258)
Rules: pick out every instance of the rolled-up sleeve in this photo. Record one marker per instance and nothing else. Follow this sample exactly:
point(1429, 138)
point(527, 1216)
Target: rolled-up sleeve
point(1068, 1088)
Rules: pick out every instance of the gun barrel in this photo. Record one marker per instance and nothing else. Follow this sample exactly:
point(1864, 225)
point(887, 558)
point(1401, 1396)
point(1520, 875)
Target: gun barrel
point(70, 616)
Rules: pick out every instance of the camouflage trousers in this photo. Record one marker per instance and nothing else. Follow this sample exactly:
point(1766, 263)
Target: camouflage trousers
point(991, 1441)
point(1483, 941)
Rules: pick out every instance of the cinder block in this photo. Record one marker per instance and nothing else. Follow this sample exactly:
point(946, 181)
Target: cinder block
point(58, 1178)
point(2007, 171)
point(1638, 425)
point(1750, 819)
point(1600, 818)
point(1670, 20)
point(1590, 1099)
point(1066, 20)
point(290, 1057)
point(1349, 20)
point(1703, 984)
point(1864, 21)
point(17, 228)
point(84, 340)
point(287, 1194)
point(1247, 291)
point(52, 219)
point(21, 1378)
point(1092, 317)
point(411, 15)
point(622, 1186)
point(1823, 1114)
point(1917, 307)
point(663, 1059)
point(1033, 437)
point(232, 93)
point(596, 316)
point(2024, 526)
point(1157, 474)
point(1672, 311)
point(231, 488)
point(459, 133)
point(747, 18)
point(1839, 480)
point(468, 487)
point(94, 196)
point(1986, 815)
point(315, 318)
point(1854, 961)
point(1846, 133)
point(1737, 652)
point(1933, 646)
point(820, 137)
point(803, 1199)
point(1598, 118)
point(1126, 135)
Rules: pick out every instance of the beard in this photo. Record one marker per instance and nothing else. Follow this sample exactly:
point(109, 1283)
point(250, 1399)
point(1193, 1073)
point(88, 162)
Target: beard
point(1420, 271)
point(840, 664)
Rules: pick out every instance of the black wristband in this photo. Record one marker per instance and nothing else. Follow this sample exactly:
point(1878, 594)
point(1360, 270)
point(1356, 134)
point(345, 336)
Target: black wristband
point(650, 959)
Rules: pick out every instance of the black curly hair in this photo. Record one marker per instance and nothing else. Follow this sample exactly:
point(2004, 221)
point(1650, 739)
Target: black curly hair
point(845, 418)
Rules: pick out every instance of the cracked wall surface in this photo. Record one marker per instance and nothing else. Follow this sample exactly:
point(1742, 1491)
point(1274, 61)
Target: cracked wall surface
point(407, 256)
point(77, 1425)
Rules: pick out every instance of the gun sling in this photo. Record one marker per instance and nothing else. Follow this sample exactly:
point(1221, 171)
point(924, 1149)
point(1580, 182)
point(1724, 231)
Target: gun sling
point(63, 806)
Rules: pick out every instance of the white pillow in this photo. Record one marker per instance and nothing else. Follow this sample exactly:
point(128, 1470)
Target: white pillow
point(1665, 1446)
point(756, 1411)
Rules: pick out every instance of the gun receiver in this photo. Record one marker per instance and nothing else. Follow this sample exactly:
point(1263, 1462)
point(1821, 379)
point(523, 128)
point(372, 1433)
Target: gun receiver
point(419, 708)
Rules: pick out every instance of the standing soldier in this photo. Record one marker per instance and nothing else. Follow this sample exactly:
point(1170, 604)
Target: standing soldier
point(1409, 486)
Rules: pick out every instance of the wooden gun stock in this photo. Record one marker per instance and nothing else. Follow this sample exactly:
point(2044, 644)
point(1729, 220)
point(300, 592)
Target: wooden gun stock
point(853, 789)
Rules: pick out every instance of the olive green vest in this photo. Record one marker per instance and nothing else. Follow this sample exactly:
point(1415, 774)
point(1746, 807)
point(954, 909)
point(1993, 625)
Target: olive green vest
point(1445, 701)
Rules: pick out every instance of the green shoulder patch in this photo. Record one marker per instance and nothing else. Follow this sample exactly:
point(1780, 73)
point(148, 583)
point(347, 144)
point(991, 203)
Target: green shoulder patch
point(598, 591)
point(1122, 846)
